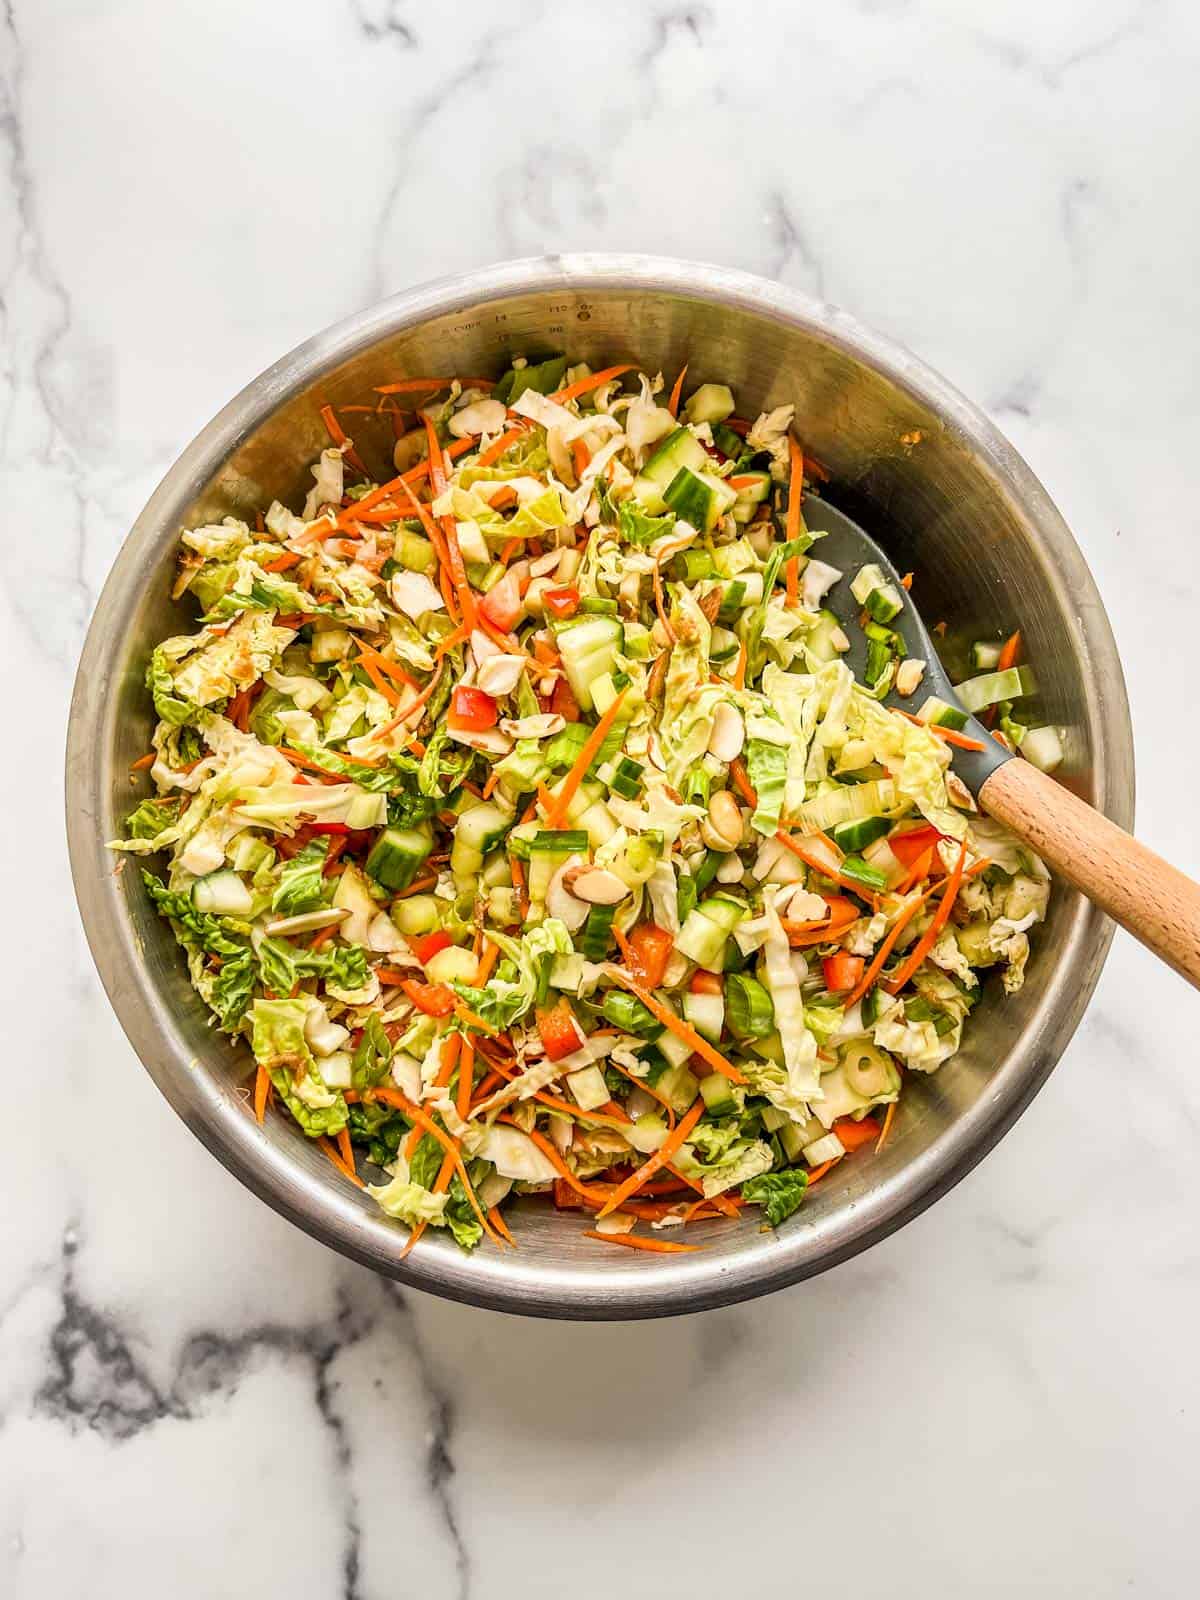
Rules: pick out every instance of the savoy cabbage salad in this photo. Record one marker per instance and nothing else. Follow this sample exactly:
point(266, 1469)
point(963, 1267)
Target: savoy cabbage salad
point(522, 817)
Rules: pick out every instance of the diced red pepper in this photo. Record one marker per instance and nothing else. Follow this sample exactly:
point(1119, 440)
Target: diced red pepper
point(427, 945)
point(842, 971)
point(908, 848)
point(563, 702)
point(565, 1198)
point(650, 949)
point(561, 603)
point(560, 1033)
point(853, 1134)
point(706, 982)
point(502, 605)
point(434, 999)
point(471, 711)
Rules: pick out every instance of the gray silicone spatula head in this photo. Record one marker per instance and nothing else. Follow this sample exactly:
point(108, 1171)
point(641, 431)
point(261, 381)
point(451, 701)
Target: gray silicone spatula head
point(845, 546)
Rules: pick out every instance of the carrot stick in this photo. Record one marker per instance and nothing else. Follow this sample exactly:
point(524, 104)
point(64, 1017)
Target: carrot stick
point(739, 671)
point(887, 1126)
point(466, 1078)
point(501, 1226)
point(952, 736)
point(580, 456)
point(391, 668)
point(498, 446)
point(1009, 654)
point(792, 523)
point(570, 784)
point(818, 1173)
point(389, 692)
point(681, 1030)
point(338, 434)
point(657, 1161)
point(458, 570)
point(634, 1242)
point(414, 385)
point(282, 563)
point(677, 391)
point(389, 727)
point(741, 781)
point(145, 761)
point(262, 1090)
point(595, 381)
point(823, 867)
point(345, 1148)
point(387, 490)
point(929, 938)
point(397, 1098)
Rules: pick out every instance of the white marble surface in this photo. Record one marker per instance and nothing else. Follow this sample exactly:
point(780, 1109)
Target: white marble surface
point(195, 1399)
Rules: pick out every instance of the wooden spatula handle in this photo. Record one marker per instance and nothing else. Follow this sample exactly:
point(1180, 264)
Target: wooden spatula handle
point(1148, 897)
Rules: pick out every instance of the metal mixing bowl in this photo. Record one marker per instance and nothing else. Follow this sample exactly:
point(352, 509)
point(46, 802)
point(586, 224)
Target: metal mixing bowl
point(956, 504)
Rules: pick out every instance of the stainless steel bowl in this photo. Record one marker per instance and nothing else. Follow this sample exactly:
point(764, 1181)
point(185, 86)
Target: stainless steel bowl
point(922, 468)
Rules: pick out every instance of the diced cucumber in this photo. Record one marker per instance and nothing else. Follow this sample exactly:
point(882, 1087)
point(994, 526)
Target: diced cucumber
point(872, 1007)
point(750, 495)
point(864, 874)
point(678, 1087)
point(397, 855)
point(604, 692)
point(366, 811)
point(700, 498)
point(413, 551)
point(589, 650)
point(504, 907)
point(822, 637)
point(721, 1098)
point(830, 1148)
point(678, 449)
point(417, 913)
point(857, 835)
point(792, 1140)
point(477, 831)
point(559, 841)
point(726, 441)
point(637, 641)
point(330, 644)
point(563, 750)
point(703, 940)
point(223, 894)
point(544, 863)
point(985, 656)
point(588, 1088)
point(712, 402)
point(941, 714)
point(750, 1007)
point(626, 778)
point(454, 964)
point(991, 687)
point(706, 1013)
point(1043, 747)
point(593, 941)
point(874, 591)
point(773, 1119)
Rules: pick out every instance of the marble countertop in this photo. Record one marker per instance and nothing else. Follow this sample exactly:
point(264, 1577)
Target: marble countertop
point(1002, 1398)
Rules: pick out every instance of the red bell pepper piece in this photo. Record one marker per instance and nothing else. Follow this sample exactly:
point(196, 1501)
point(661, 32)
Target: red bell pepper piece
point(471, 711)
point(842, 971)
point(502, 605)
point(853, 1134)
point(427, 945)
point(434, 999)
point(561, 603)
point(560, 1033)
point(908, 848)
point(706, 982)
point(563, 702)
point(649, 951)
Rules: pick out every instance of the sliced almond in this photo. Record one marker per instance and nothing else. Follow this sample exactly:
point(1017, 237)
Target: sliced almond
point(596, 885)
point(728, 732)
point(909, 674)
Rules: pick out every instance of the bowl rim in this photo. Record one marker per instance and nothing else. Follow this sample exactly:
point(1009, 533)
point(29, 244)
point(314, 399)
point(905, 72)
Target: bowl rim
point(501, 1283)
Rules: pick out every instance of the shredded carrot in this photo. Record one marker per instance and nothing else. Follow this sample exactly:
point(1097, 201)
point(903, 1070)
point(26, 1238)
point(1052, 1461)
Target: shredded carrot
point(458, 570)
point(1010, 653)
point(466, 1078)
point(595, 380)
point(551, 1154)
point(824, 868)
point(418, 886)
point(818, 1173)
point(570, 784)
point(668, 1148)
point(652, 1092)
point(145, 761)
point(307, 762)
point(929, 938)
point(391, 668)
point(501, 1226)
point(509, 550)
point(889, 1116)
point(345, 1148)
point(498, 446)
point(580, 456)
point(677, 391)
point(397, 1098)
point(406, 714)
point(490, 783)
point(282, 563)
point(921, 868)
point(632, 1241)
point(792, 523)
point(389, 692)
point(951, 735)
point(338, 434)
point(414, 385)
point(741, 781)
point(333, 1154)
point(471, 1020)
point(262, 1090)
point(681, 1030)
point(739, 671)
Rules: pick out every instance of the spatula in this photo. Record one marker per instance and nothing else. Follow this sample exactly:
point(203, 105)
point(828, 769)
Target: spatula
point(1148, 897)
